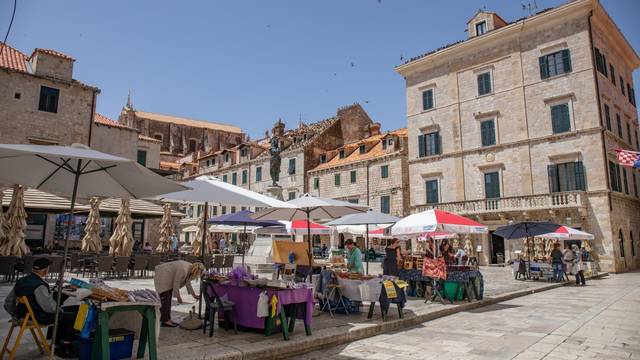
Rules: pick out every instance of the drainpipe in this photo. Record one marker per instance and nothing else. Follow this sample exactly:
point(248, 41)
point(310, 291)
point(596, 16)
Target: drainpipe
point(524, 99)
point(93, 114)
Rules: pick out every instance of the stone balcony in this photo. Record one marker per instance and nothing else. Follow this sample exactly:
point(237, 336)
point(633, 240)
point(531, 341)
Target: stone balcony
point(553, 201)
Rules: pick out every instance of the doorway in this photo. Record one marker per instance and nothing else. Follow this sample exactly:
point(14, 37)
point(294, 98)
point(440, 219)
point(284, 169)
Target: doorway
point(497, 249)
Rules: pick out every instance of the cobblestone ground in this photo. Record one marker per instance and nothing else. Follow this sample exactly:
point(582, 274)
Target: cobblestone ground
point(599, 321)
point(181, 344)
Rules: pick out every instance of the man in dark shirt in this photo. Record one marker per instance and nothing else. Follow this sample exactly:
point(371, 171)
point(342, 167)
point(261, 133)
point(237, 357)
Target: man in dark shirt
point(556, 262)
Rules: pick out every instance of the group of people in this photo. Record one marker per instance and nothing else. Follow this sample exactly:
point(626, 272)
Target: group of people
point(570, 260)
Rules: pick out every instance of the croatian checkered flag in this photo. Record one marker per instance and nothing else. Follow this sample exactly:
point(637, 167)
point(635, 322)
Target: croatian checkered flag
point(628, 158)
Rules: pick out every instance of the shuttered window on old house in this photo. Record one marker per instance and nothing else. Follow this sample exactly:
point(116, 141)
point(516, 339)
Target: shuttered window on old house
point(560, 119)
point(429, 144)
point(566, 177)
point(492, 185)
point(555, 64)
point(484, 83)
point(427, 99)
point(488, 132)
point(432, 191)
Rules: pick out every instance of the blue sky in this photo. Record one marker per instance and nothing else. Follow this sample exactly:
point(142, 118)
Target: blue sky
point(250, 62)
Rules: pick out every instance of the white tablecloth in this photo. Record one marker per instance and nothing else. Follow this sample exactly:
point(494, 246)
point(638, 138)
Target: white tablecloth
point(360, 290)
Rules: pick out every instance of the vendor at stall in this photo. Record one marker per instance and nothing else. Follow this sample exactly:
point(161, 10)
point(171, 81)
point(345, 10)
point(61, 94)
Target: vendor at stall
point(169, 278)
point(43, 304)
point(354, 257)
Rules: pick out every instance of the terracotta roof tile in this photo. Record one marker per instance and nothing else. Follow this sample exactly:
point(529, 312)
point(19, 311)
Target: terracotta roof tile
point(188, 122)
point(53, 53)
point(103, 120)
point(13, 59)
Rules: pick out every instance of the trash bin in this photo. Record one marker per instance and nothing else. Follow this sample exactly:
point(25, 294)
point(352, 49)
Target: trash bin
point(120, 345)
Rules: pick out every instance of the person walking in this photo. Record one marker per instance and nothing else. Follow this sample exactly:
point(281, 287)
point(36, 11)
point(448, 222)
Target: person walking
point(556, 262)
point(169, 278)
point(354, 257)
point(578, 265)
point(568, 258)
point(391, 258)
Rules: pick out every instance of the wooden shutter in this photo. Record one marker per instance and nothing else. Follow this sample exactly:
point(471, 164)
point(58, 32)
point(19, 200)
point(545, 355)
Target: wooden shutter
point(487, 131)
point(436, 139)
point(427, 99)
point(421, 146)
point(566, 60)
point(552, 170)
point(544, 68)
point(578, 169)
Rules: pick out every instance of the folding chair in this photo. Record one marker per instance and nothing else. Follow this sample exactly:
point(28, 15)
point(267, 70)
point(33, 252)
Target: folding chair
point(28, 323)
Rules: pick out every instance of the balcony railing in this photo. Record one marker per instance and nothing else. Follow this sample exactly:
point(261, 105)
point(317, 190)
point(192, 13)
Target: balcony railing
point(561, 200)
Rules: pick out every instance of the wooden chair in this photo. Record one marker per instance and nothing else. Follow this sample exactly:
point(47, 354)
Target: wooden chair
point(28, 323)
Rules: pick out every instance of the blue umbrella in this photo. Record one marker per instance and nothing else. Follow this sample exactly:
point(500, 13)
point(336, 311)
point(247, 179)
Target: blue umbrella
point(242, 218)
point(526, 229)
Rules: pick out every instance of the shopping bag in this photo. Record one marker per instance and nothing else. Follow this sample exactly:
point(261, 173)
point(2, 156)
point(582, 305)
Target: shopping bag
point(89, 323)
point(81, 316)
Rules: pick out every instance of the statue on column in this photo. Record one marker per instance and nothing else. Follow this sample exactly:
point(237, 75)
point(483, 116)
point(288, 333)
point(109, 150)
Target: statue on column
point(274, 164)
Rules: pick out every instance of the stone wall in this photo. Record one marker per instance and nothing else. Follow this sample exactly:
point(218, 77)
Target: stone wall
point(115, 140)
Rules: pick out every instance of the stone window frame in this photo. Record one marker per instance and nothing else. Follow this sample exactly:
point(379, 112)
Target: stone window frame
point(491, 115)
point(486, 27)
point(437, 176)
point(490, 168)
point(421, 91)
point(568, 99)
point(488, 69)
point(553, 49)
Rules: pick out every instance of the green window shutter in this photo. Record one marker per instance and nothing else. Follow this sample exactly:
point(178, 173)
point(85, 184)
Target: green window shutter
point(544, 68)
point(492, 185)
point(316, 183)
point(484, 84)
point(336, 179)
point(384, 171)
point(488, 134)
point(560, 119)
point(566, 60)
point(421, 146)
point(437, 140)
point(581, 183)
point(552, 170)
point(353, 176)
point(427, 99)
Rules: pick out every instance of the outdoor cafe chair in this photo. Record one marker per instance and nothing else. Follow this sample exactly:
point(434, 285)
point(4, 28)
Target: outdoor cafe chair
point(121, 268)
point(139, 264)
point(213, 304)
point(27, 264)
point(76, 262)
point(56, 266)
point(154, 260)
point(218, 262)
point(207, 262)
point(105, 265)
point(228, 262)
point(8, 267)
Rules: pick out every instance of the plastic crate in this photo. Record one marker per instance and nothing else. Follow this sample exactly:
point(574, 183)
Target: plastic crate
point(120, 345)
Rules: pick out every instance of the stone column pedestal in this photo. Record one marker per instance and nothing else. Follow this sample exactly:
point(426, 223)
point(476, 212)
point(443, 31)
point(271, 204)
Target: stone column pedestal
point(275, 192)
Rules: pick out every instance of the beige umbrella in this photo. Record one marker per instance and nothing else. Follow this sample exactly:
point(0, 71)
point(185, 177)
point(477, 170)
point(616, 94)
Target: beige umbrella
point(197, 243)
point(121, 242)
point(166, 230)
point(91, 241)
point(15, 225)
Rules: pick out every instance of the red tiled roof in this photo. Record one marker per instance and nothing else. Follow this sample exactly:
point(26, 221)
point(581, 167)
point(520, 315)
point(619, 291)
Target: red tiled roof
point(53, 53)
point(13, 59)
point(103, 120)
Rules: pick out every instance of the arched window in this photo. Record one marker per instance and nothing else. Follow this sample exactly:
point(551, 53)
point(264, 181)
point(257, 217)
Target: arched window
point(621, 239)
point(633, 245)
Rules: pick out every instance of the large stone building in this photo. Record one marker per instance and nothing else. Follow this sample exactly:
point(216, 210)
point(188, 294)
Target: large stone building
point(372, 171)
point(519, 122)
point(180, 136)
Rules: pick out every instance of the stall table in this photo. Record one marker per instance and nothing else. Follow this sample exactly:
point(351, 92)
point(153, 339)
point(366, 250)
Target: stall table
point(292, 304)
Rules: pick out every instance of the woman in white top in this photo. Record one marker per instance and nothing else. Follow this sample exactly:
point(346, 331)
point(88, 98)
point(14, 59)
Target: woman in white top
point(169, 278)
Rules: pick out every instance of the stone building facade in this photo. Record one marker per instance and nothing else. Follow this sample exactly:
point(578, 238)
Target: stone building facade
point(41, 102)
point(181, 136)
point(373, 171)
point(518, 123)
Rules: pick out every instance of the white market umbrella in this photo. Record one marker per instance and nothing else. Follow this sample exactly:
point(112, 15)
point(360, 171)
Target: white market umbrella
point(365, 218)
point(78, 171)
point(166, 229)
point(309, 208)
point(91, 241)
point(568, 233)
point(436, 220)
point(15, 225)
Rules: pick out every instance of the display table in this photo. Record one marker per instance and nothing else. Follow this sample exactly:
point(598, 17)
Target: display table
point(373, 292)
point(291, 304)
point(105, 310)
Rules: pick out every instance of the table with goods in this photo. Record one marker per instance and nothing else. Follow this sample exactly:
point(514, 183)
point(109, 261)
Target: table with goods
point(98, 303)
point(344, 292)
point(261, 304)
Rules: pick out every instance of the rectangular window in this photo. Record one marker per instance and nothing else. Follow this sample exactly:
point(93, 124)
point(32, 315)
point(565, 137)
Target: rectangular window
point(225, 178)
point(607, 116)
point(336, 179)
point(243, 152)
point(566, 177)
point(48, 99)
point(624, 179)
point(622, 85)
point(488, 132)
point(385, 204)
point(234, 178)
point(635, 184)
point(214, 210)
point(226, 157)
point(316, 183)
point(632, 96)
point(613, 74)
point(362, 149)
point(619, 125)
point(614, 175)
point(352, 176)
point(484, 84)
point(353, 200)
point(601, 63)
point(259, 173)
point(200, 209)
point(384, 171)
point(637, 139)
point(245, 176)
point(427, 99)
point(323, 159)
point(629, 134)
point(384, 144)
point(629, 92)
point(233, 209)
point(432, 191)
point(560, 119)
point(429, 144)
point(142, 157)
point(223, 210)
point(292, 195)
point(555, 64)
point(292, 166)
point(481, 28)
point(492, 185)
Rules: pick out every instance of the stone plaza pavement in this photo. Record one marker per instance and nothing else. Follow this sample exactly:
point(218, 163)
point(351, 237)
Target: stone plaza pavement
point(599, 321)
point(327, 331)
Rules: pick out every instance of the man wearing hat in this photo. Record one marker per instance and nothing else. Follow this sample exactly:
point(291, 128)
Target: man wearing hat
point(43, 304)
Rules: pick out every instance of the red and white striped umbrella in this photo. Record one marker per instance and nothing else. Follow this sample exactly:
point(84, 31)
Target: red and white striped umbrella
point(299, 227)
point(437, 235)
point(436, 220)
point(568, 233)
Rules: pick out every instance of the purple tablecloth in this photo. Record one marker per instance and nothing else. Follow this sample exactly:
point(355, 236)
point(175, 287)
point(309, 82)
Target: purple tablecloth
point(246, 300)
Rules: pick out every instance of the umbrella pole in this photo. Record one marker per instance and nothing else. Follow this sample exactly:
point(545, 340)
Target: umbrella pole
point(243, 241)
point(366, 226)
point(64, 257)
point(310, 249)
point(202, 252)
